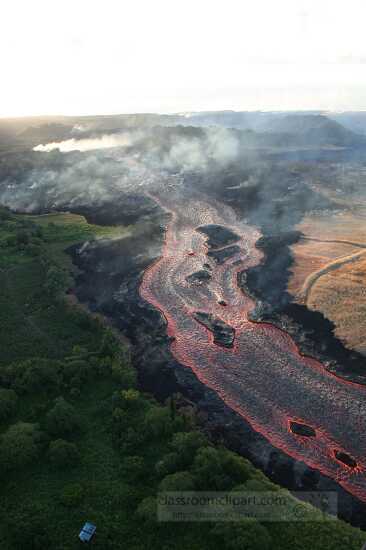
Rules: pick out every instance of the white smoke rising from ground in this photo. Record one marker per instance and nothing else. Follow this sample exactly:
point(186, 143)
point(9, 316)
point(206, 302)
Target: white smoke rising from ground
point(186, 153)
point(219, 145)
point(79, 128)
point(61, 178)
point(87, 181)
point(86, 144)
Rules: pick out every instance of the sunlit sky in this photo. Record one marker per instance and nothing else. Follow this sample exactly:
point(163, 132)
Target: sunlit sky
point(120, 56)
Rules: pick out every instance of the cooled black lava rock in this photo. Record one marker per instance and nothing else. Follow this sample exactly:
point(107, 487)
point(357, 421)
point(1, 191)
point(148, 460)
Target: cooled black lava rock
point(302, 429)
point(128, 209)
point(220, 256)
point(268, 280)
point(223, 334)
point(345, 458)
point(274, 243)
point(312, 331)
point(200, 276)
point(218, 236)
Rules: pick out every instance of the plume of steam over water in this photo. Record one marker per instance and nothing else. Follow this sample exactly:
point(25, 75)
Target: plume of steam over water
point(109, 165)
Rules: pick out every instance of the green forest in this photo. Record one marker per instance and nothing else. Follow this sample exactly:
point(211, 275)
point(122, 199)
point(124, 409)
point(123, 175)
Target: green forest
point(79, 441)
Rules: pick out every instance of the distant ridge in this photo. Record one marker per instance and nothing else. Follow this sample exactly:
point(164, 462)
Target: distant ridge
point(254, 128)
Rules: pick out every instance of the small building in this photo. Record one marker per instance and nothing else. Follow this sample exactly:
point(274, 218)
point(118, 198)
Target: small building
point(87, 532)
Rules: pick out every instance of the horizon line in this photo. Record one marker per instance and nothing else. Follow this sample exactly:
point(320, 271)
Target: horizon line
point(181, 113)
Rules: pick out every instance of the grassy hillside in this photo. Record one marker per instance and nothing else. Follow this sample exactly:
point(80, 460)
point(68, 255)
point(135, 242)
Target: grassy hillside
point(79, 442)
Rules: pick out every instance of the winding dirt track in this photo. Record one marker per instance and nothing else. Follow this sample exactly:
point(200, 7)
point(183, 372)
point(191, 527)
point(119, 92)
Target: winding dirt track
point(332, 266)
point(263, 377)
point(334, 241)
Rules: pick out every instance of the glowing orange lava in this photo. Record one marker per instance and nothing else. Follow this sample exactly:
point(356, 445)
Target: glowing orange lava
point(263, 376)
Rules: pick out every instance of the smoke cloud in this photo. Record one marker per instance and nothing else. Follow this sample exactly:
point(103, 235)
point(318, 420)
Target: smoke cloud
point(95, 170)
point(217, 145)
point(86, 144)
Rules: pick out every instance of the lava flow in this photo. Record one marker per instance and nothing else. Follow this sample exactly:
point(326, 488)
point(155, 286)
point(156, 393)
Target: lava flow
point(263, 376)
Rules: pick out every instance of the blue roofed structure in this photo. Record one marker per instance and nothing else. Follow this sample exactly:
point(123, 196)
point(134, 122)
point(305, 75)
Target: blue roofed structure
point(87, 532)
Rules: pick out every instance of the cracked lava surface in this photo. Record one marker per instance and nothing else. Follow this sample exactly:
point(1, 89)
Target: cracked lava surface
point(262, 377)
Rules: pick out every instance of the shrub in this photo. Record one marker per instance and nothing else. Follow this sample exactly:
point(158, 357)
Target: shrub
point(11, 241)
point(80, 351)
point(158, 422)
point(186, 445)
point(8, 403)
point(147, 510)
point(77, 372)
point(5, 214)
point(110, 345)
point(22, 237)
point(131, 441)
point(33, 249)
point(63, 454)
point(75, 393)
point(209, 471)
point(41, 374)
point(130, 400)
point(246, 535)
point(180, 481)
point(125, 375)
point(72, 495)
point(169, 464)
point(236, 467)
point(57, 281)
point(25, 528)
point(20, 445)
point(260, 484)
point(33, 375)
point(62, 418)
point(133, 468)
point(121, 420)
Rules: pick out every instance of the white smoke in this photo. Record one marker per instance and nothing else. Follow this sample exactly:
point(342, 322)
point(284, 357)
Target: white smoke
point(95, 175)
point(79, 128)
point(86, 144)
point(218, 145)
point(186, 153)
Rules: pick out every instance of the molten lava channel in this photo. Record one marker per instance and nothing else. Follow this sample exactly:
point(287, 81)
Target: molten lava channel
point(263, 377)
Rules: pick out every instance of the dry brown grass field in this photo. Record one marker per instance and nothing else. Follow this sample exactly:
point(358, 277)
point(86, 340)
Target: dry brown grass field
point(329, 274)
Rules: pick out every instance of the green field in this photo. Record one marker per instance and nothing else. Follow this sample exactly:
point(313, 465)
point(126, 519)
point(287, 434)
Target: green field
point(79, 442)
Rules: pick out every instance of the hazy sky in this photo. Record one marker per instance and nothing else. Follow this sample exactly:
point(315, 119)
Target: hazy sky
point(114, 56)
